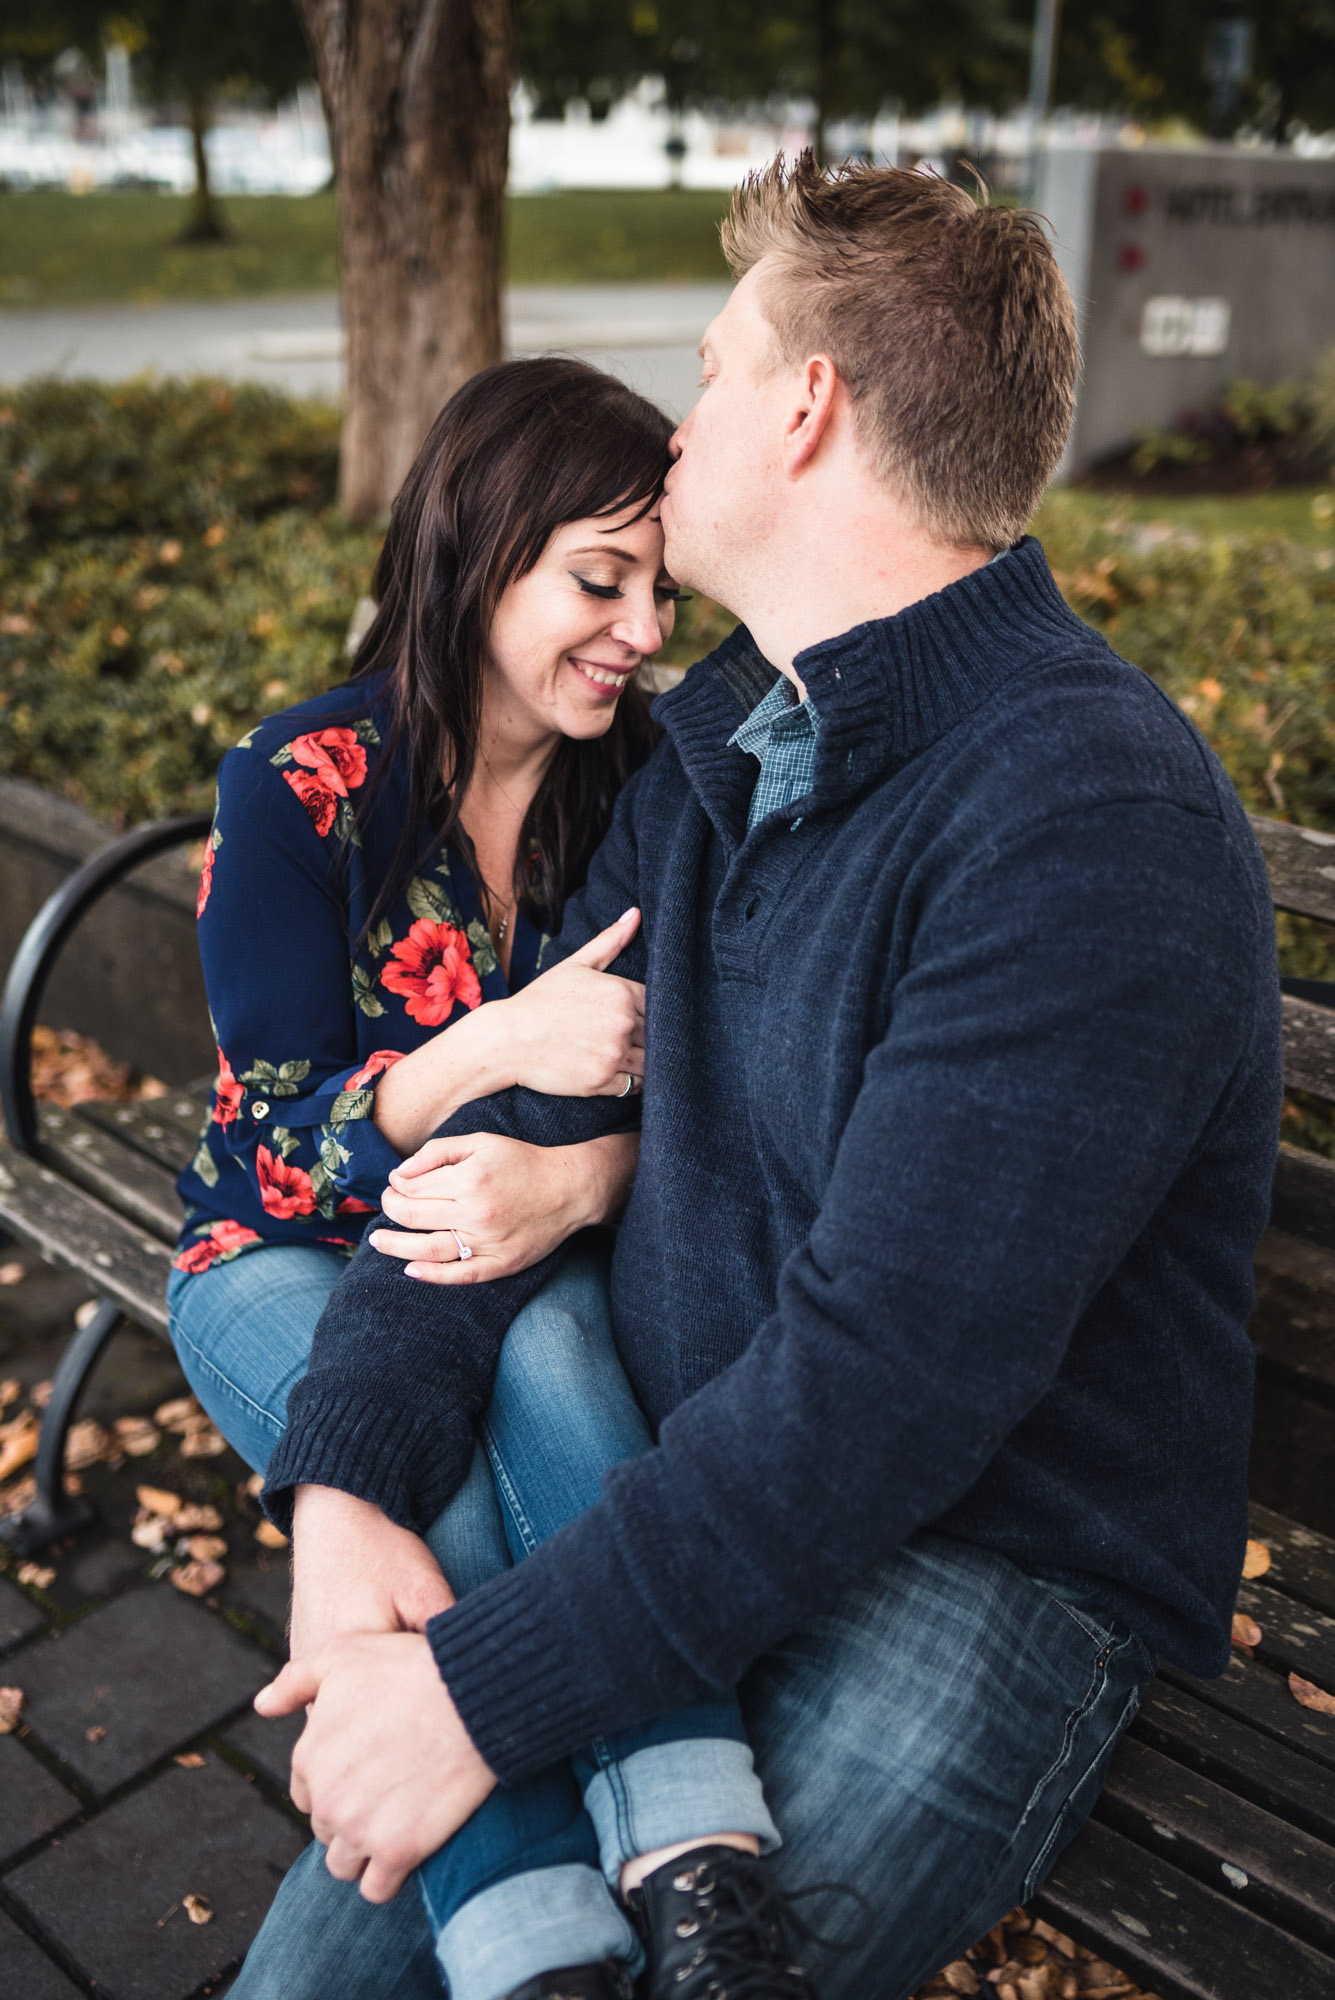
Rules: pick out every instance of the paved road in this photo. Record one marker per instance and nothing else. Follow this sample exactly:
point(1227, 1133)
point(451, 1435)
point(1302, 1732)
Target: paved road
point(647, 334)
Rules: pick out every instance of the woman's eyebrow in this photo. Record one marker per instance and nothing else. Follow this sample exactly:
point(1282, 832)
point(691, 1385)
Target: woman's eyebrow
point(604, 549)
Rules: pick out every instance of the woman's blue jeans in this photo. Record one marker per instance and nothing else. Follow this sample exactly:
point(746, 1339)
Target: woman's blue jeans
point(524, 1886)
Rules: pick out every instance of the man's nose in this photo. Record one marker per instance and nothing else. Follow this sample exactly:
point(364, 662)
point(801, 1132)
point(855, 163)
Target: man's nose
point(677, 439)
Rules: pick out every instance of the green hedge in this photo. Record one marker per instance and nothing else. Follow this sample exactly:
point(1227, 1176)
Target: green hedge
point(172, 566)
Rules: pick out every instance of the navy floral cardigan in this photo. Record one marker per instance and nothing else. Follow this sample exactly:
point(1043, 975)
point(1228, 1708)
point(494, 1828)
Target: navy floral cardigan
point(305, 1024)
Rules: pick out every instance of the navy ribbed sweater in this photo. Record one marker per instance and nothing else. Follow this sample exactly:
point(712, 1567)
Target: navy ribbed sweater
point(960, 1112)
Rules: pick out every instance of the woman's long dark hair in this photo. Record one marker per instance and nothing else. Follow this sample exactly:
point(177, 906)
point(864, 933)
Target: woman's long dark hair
point(521, 449)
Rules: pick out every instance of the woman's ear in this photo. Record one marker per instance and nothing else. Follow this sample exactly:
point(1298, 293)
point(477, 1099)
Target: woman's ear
point(810, 415)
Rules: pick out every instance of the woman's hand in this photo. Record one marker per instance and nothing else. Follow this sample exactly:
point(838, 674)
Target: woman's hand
point(510, 1203)
point(578, 1030)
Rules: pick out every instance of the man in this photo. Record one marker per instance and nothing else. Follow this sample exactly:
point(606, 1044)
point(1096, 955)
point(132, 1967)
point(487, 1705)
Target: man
point(960, 1109)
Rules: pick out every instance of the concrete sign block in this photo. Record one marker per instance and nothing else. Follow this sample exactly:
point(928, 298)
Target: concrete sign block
point(1188, 270)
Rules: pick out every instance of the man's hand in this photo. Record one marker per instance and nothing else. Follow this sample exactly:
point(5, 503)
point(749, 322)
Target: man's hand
point(384, 1767)
point(353, 1570)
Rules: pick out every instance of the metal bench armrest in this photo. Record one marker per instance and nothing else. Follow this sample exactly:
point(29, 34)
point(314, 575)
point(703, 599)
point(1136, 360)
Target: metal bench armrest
point(41, 944)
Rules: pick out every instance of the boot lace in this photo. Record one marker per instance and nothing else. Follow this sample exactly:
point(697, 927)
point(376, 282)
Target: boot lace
point(741, 1911)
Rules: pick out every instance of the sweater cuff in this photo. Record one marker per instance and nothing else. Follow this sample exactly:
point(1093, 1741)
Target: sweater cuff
point(525, 1699)
point(410, 1464)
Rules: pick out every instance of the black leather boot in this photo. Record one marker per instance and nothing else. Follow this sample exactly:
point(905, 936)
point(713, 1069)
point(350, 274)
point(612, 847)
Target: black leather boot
point(715, 1928)
point(608, 1980)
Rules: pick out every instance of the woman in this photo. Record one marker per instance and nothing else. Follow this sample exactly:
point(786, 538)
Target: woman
point(384, 862)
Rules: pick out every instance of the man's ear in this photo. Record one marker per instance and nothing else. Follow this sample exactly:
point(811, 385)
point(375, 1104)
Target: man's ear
point(810, 414)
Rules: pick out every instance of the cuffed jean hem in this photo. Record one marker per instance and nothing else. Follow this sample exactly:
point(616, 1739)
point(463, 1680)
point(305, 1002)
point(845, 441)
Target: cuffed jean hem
point(670, 1792)
point(529, 1924)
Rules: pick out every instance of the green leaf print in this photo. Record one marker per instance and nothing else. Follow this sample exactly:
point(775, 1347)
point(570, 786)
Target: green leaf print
point(283, 1142)
point(364, 993)
point(351, 1104)
point(275, 1081)
point(381, 938)
point(204, 1165)
point(281, 757)
point(484, 956)
point(326, 1194)
point(431, 904)
point(367, 733)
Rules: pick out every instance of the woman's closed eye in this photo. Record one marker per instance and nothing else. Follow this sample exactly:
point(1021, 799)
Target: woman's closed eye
point(666, 593)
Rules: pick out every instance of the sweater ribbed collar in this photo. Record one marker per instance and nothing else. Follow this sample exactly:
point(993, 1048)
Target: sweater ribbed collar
point(887, 690)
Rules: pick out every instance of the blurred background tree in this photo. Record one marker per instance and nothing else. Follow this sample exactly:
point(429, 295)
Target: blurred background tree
point(190, 51)
point(1216, 64)
point(417, 95)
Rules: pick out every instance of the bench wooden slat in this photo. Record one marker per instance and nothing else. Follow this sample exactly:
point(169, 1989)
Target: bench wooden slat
point(1301, 866)
point(1258, 1861)
point(106, 1167)
point(1302, 1563)
point(1303, 1201)
point(164, 1129)
point(1184, 1940)
point(1255, 1694)
point(1280, 1780)
point(1293, 1326)
point(1296, 1638)
point(1309, 1047)
point(72, 1229)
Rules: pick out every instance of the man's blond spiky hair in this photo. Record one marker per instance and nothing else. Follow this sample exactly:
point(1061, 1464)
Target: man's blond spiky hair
point(948, 321)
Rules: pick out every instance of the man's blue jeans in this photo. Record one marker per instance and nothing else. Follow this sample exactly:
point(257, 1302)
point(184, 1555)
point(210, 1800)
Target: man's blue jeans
point(932, 1742)
point(524, 1886)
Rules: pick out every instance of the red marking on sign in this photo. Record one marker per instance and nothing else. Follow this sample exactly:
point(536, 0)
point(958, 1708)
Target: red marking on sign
point(1130, 257)
point(1136, 199)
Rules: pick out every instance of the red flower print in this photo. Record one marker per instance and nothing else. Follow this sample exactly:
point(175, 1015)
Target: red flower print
point(284, 1191)
point(434, 970)
point(350, 1205)
point(382, 1059)
point(230, 1235)
point(223, 1238)
point(335, 756)
point(227, 1093)
point(205, 881)
point(196, 1257)
point(318, 800)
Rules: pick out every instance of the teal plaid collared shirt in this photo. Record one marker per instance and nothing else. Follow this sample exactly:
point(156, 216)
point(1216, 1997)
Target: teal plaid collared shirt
point(781, 733)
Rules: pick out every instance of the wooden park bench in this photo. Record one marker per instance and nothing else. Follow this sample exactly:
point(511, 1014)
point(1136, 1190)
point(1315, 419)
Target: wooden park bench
point(1208, 1869)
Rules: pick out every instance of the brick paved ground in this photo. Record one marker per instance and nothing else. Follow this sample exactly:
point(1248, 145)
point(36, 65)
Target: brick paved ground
point(104, 1829)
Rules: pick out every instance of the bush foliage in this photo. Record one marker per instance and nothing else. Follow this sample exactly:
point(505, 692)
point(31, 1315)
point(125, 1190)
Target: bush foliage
point(172, 566)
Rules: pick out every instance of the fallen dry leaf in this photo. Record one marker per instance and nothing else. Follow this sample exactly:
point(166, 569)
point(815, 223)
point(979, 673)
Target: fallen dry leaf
point(269, 1536)
point(18, 1443)
point(88, 1444)
point(33, 1573)
point(11, 1273)
point(11, 1707)
point(206, 1548)
point(168, 1415)
point(95, 1734)
point(136, 1436)
point(156, 1500)
point(150, 1533)
point(1246, 1631)
point(254, 1486)
point(20, 1495)
point(1256, 1561)
point(190, 1760)
point(39, 1395)
point(196, 1579)
point(1311, 1696)
point(198, 1908)
point(85, 1314)
point(11, 1390)
point(960, 1977)
point(191, 1520)
point(206, 1443)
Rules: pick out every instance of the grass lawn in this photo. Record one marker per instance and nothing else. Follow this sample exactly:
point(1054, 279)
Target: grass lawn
point(64, 249)
point(1292, 513)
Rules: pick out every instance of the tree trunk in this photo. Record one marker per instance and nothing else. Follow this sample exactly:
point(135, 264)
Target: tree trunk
point(203, 223)
point(417, 93)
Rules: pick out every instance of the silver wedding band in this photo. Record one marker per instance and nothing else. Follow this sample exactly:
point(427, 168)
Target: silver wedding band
point(464, 1249)
point(630, 1085)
